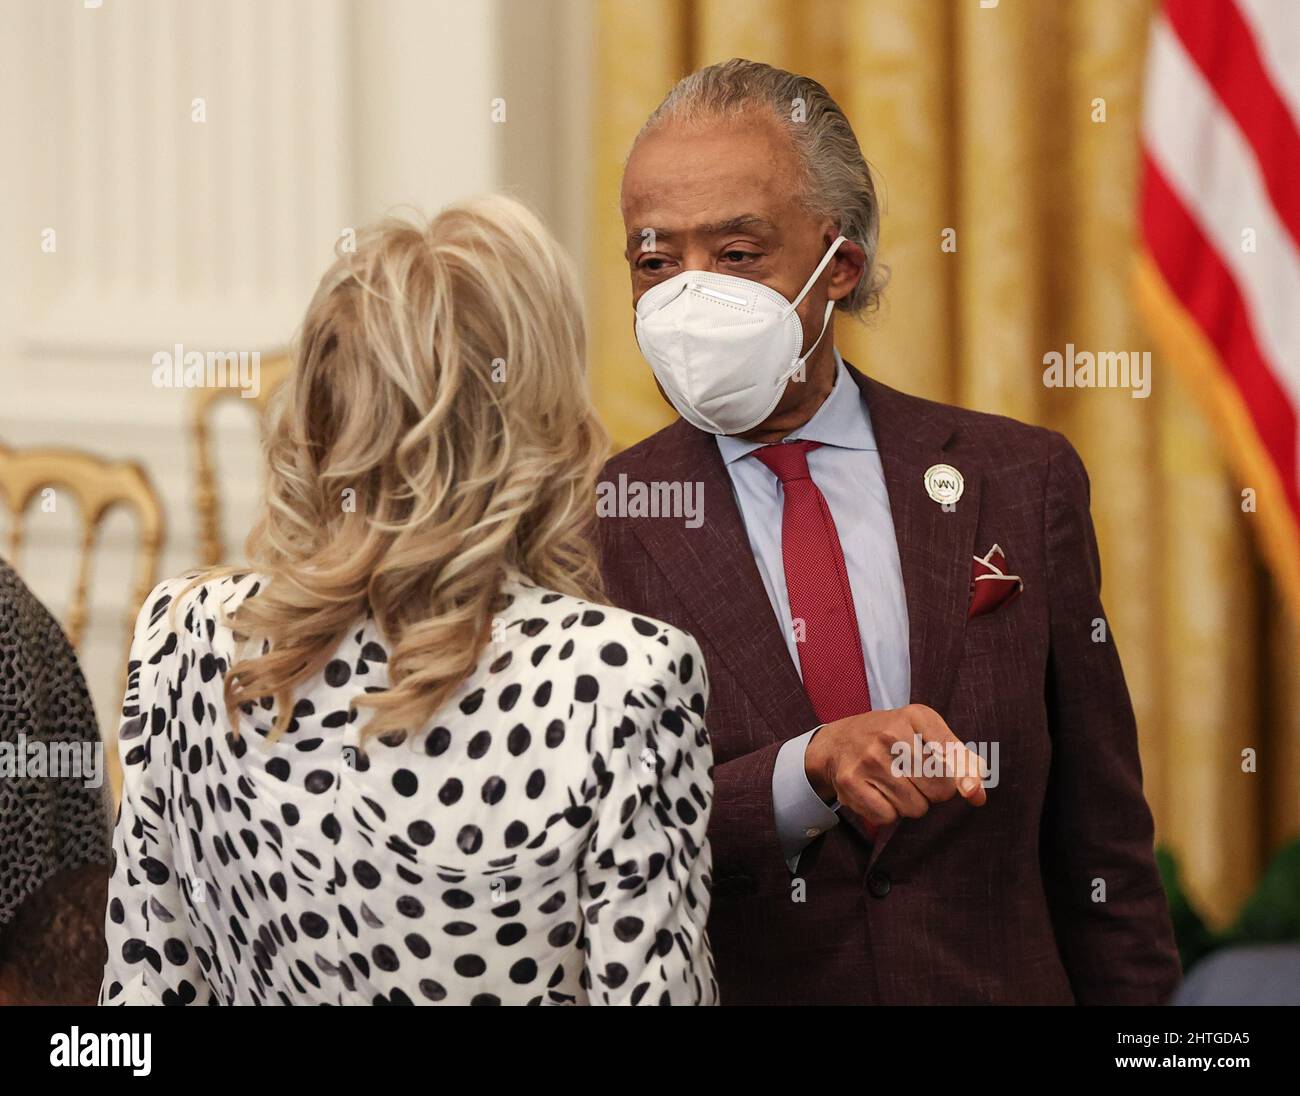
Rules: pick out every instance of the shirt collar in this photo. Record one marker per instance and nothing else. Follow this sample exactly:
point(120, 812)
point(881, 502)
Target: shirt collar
point(842, 421)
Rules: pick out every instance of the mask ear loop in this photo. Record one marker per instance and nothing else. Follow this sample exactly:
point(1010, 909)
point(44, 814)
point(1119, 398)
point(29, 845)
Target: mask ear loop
point(830, 254)
point(830, 306)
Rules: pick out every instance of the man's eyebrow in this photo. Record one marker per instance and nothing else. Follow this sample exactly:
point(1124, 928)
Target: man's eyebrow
point(738, 224)
point(745, 222)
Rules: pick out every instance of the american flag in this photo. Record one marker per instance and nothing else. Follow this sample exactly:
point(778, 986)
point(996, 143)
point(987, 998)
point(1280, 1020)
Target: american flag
point(1219, 270)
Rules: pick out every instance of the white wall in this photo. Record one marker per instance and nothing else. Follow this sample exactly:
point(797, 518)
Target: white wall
point(320, 114)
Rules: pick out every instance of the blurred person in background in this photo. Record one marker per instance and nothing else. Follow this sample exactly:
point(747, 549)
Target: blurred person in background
point(52, 951)
point(408, 756)
point(53, 798)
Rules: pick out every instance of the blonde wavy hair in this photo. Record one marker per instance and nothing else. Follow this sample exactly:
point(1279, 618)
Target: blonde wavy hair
point(436, 434)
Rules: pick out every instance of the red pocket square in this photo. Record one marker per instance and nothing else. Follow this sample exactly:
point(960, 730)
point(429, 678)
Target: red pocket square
point(990, 586)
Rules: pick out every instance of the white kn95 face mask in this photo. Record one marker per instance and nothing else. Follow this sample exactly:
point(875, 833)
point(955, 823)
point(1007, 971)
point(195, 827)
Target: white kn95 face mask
point(723, 348)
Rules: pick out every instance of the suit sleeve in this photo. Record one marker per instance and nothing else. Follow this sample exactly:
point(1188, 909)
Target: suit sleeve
point(1108, 907)
point(151, 959)
point(644, 877)
point(744, 835)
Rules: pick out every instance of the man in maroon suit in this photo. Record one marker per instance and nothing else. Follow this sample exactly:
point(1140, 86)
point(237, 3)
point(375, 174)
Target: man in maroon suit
point(884, 589)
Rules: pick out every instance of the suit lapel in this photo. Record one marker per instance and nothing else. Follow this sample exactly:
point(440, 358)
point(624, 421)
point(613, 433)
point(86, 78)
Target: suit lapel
point(935, 546)
point(712, 571)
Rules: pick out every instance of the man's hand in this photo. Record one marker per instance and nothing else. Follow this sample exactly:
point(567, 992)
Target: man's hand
point(854, 760)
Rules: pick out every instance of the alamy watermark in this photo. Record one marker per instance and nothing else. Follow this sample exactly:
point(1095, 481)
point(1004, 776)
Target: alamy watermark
point(181, 368)
point(102, 1050)
point(82, 761)
point(919, 758)
point(1104, 369)
point(657, 499)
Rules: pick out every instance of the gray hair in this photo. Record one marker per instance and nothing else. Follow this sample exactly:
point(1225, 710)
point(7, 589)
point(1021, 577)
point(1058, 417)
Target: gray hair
point(836, 177)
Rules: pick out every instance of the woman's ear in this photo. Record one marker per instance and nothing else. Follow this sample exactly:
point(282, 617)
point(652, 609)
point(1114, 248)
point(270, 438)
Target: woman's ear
point(847, 268)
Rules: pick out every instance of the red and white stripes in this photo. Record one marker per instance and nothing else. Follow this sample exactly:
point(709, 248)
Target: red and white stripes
point(1220, 207)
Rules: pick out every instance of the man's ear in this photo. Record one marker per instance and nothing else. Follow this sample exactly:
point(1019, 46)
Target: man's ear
point(846, 269)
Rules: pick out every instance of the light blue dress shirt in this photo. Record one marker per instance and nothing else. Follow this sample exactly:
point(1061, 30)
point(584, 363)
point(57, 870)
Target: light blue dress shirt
point(848, 471)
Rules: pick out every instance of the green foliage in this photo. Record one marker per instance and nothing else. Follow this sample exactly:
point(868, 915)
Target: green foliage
point(1194, 940)
point(1270, 916)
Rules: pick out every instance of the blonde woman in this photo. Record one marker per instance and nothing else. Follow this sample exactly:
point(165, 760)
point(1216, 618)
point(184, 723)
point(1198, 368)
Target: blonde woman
point(408, 756)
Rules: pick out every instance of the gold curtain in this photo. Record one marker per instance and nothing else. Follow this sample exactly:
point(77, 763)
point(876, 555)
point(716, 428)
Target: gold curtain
point(1016, 126)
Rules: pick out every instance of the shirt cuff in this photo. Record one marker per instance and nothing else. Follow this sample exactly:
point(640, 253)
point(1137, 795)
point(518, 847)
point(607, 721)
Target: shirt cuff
point(801, 815)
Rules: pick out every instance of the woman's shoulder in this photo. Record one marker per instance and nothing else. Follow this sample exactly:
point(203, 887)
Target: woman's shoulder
point(601, 640)
point(196, 602)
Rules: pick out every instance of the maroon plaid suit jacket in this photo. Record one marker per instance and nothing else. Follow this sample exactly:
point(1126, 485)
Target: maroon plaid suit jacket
point(997, 904)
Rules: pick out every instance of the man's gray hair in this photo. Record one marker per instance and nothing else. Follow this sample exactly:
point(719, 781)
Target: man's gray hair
point(837, 179)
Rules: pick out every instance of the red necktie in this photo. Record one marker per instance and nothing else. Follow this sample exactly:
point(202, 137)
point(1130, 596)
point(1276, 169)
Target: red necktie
point(830, 652)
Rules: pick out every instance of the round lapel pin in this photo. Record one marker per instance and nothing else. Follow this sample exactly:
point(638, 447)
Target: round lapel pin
point(944, 484)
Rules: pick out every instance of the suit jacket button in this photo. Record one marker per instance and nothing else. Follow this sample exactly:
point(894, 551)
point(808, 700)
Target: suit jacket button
point(878, 884)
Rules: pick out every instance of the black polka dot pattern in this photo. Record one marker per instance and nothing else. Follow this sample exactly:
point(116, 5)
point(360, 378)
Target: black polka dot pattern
point(542, 841)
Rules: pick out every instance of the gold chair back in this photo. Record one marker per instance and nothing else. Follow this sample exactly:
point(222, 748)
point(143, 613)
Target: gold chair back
point(207, 497)
point(97, 485)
